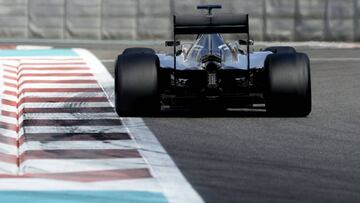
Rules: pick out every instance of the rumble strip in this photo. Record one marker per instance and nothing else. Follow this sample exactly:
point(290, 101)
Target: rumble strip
point(60, 138)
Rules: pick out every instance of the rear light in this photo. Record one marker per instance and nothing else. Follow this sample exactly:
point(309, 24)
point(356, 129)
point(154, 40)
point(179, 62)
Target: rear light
point(212, 80)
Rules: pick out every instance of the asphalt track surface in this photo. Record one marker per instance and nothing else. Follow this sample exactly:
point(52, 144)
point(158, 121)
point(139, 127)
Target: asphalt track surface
point(248, 157)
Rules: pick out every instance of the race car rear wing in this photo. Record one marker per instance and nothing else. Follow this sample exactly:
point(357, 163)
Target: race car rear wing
point(207, 24)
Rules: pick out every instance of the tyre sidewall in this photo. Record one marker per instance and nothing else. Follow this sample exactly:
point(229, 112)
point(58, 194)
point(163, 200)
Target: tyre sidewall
point(288, 89)
point(137, 84)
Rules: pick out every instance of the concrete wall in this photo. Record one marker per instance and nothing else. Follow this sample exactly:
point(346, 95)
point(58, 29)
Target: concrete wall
point(291, 20)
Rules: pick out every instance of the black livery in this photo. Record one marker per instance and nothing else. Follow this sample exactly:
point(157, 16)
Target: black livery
point(212, 73)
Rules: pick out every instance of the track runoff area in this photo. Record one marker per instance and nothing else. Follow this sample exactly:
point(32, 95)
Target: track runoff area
point(61, 140)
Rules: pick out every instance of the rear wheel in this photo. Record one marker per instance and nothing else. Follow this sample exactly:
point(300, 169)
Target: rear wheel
point(288, 88)
point(136, 84)
point(138, 50)
point(281, 49)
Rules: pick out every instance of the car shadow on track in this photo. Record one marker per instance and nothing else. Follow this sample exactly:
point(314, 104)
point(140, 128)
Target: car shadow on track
point(233, 113)
point(230, 113)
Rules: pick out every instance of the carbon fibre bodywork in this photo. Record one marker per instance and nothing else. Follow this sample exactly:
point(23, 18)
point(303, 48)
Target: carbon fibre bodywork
point(229, 84)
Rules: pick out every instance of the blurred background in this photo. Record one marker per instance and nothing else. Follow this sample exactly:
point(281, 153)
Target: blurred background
point(271, 20)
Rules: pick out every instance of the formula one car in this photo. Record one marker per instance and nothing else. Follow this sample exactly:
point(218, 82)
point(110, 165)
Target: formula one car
point(211, 72)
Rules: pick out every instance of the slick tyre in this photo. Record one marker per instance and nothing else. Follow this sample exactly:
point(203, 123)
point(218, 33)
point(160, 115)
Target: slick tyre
point(288, 84)
point(281, 49)
point(136, 84)
point(138, 50)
